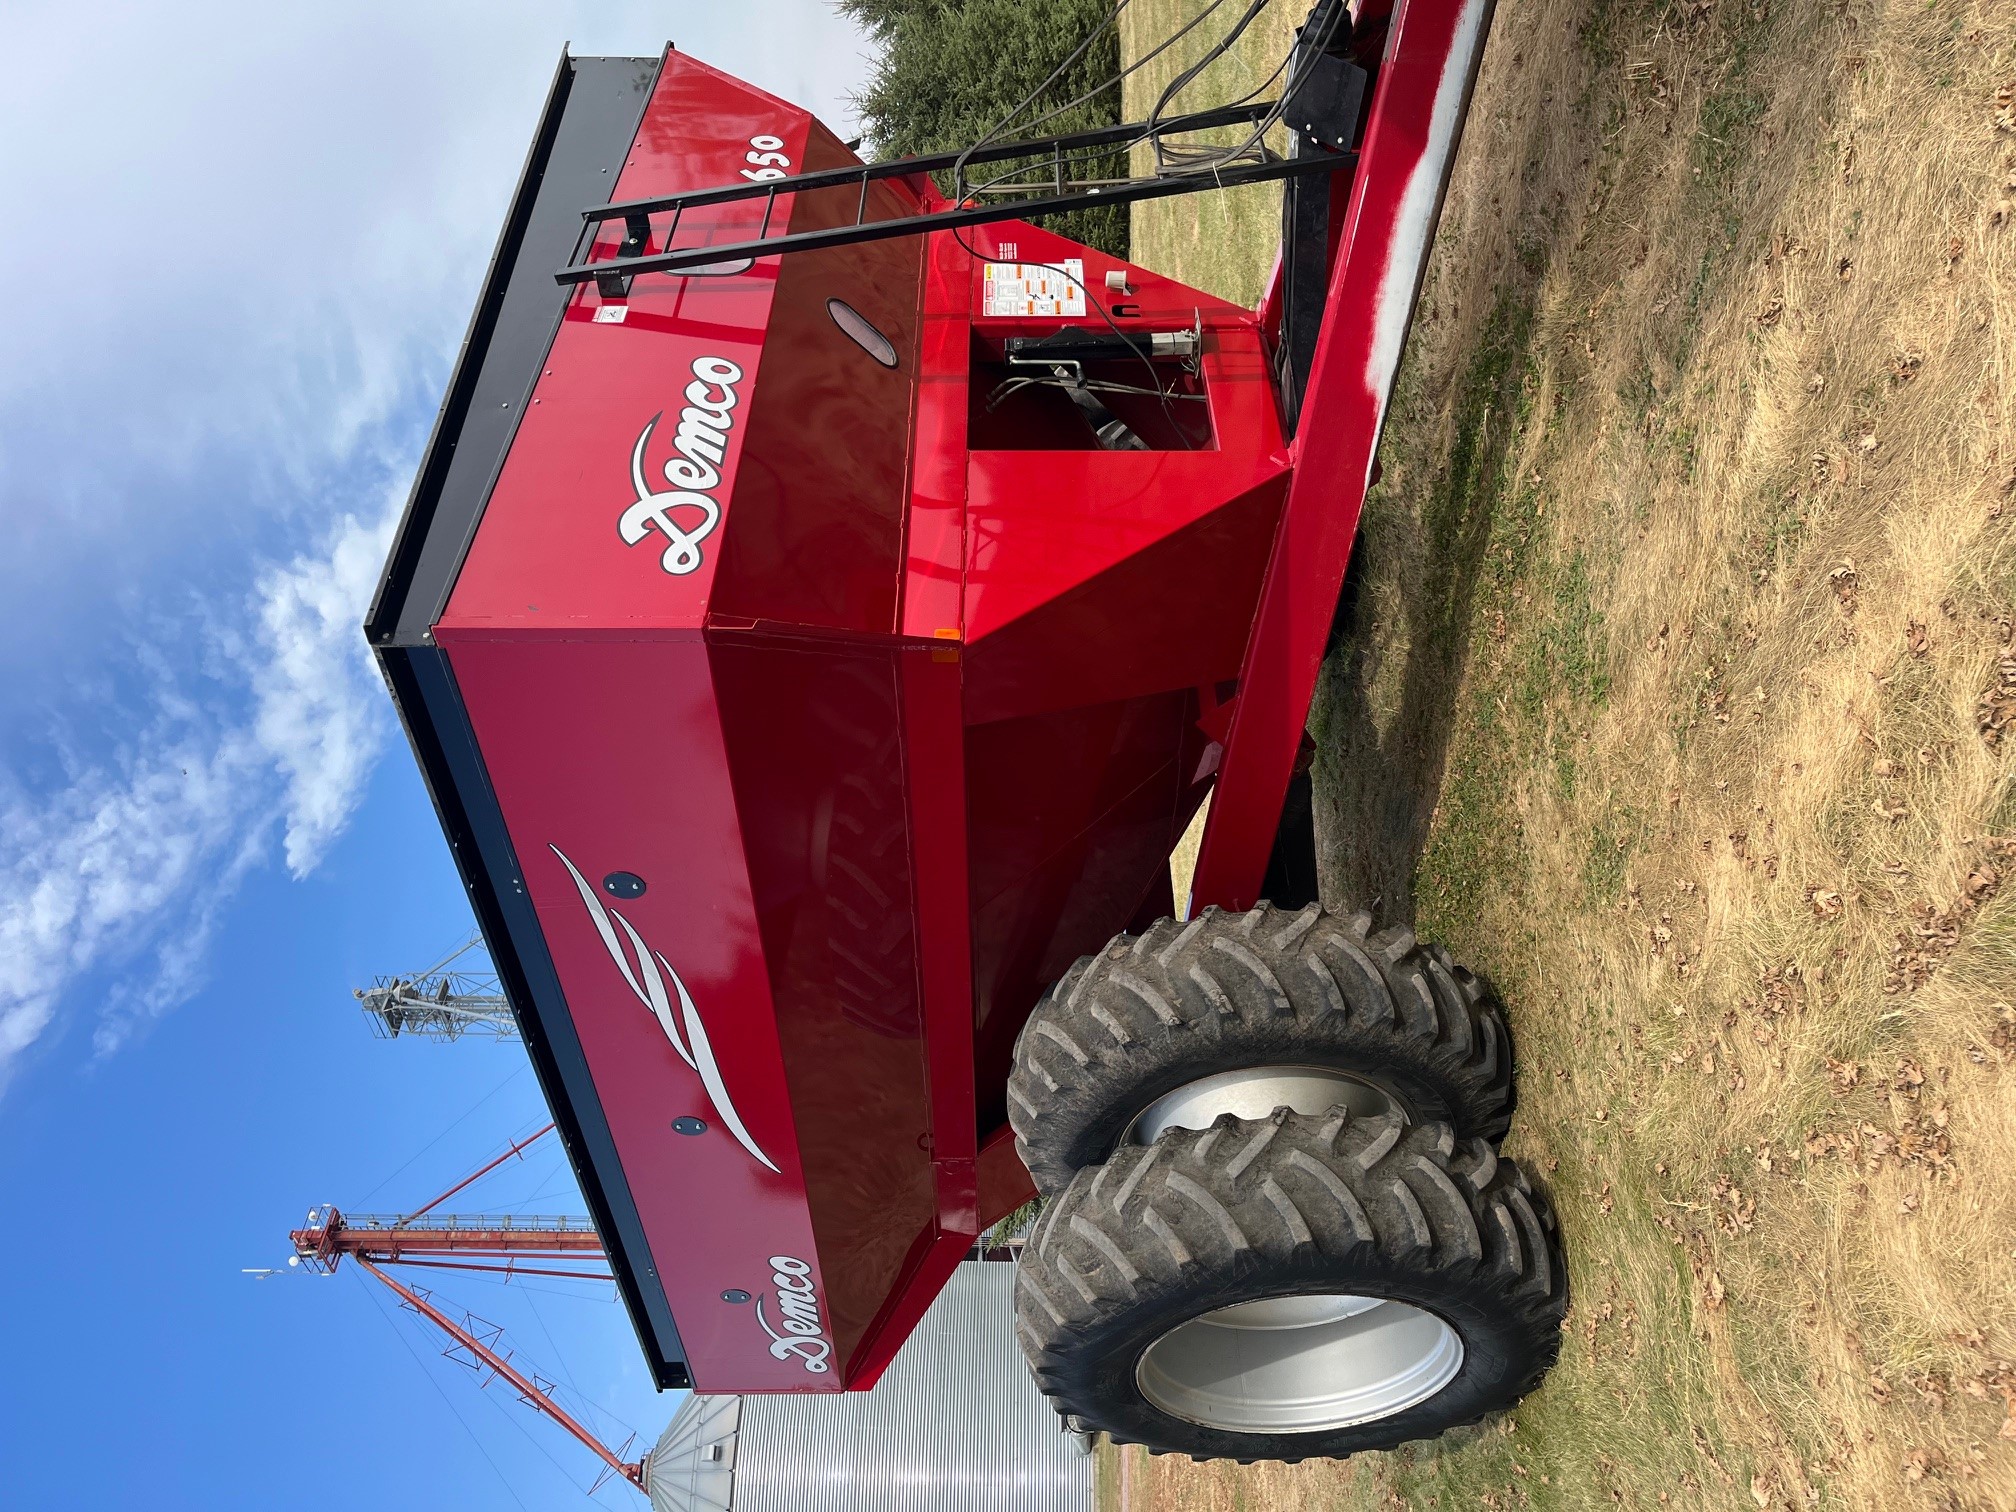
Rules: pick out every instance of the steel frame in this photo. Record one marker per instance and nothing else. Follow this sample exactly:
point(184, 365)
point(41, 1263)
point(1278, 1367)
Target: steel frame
point(1418, 106)
point(593, 109)
point(611, 274)
point(374, 1241)
point(631, 1470)
point(1380, 231)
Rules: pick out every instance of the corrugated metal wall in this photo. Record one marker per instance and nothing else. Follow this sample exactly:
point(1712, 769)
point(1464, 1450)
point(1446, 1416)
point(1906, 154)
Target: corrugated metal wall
point(955, 1425)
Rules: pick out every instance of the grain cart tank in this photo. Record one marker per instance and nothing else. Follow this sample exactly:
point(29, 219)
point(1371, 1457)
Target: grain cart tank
point(816, 639)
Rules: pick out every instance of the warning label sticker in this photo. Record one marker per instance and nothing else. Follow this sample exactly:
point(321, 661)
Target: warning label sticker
point(1035, 288)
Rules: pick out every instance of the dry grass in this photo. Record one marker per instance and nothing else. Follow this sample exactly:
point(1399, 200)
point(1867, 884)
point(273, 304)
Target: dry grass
point(1680, 615)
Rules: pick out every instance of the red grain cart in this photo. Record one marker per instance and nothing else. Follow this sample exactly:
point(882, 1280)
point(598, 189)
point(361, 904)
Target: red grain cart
point(820, 611)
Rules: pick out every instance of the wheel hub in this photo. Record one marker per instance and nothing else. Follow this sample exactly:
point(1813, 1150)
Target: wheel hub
point(1300, 1364)
point(1256, 1091)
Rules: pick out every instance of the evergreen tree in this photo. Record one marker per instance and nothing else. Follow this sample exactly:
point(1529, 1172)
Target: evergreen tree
point(950, 72)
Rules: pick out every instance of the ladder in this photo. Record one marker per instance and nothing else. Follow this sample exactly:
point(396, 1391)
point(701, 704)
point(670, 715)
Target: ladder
point(1043, 194)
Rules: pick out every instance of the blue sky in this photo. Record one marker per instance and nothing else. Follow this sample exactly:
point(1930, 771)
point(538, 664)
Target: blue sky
point(241, 243)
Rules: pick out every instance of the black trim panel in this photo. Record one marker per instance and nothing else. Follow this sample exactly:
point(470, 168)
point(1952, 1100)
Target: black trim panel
point(430, 704)
point(591, 118)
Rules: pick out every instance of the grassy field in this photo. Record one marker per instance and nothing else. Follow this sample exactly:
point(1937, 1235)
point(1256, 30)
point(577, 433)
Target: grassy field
point(1680, 697)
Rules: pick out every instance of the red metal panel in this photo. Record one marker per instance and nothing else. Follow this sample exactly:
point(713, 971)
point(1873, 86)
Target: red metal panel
point(815, 743)
point(1072, 815)
point(935, 559)
point(866, 853)
point(1005, 1183)
point(820, 490)
point(934, 1259)
point(1168, 610)
point(582, 457)
point(934, 767)
point(1423, 91)
point(608, 755)
point(934, 771)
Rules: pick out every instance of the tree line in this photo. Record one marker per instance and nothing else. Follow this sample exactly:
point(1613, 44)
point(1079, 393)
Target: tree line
point(949, 72)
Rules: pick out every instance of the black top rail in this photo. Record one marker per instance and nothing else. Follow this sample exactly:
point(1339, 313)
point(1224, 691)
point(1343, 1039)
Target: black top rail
point(865, 173)
point(1047, 195)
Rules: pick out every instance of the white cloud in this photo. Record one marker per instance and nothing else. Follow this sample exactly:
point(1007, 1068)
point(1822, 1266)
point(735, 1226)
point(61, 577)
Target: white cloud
point(280, 214)
point(130, 863)
point(262, 242)
point(322, 715)
point(180, 962)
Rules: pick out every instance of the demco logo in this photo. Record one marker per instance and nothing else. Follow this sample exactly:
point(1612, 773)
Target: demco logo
point(647, 974)
point(686, 514)
point(798, 1332)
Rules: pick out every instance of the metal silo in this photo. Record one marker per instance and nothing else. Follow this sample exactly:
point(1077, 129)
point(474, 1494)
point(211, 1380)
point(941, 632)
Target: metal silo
point(956, 1425)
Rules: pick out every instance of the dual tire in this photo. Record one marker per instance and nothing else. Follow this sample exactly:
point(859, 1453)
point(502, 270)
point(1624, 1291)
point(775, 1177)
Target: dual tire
point(1279, 1226)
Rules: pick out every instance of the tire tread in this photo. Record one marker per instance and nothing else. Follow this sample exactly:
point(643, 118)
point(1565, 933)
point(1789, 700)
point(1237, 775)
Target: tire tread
point(1267, 986)
point(1202, 1217)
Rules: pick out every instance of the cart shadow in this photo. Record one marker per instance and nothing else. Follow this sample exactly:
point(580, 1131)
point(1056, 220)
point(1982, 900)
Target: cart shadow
point(1388, 701)
point(1383, 733)
point(1383, 730)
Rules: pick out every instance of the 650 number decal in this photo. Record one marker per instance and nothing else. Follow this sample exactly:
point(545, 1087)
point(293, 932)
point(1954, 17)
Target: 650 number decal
point(767, 153)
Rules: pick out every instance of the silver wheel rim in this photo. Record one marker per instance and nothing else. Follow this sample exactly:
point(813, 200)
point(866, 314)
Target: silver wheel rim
point(1300, 1364)
point(1255, 1092)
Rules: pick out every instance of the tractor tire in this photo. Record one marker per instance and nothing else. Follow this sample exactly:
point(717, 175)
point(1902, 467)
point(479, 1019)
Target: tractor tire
point(1393, 1025)
point(1390, 1283)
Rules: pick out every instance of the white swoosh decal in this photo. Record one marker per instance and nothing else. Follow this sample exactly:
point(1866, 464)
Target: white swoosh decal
point(654, 994)
point(637, 466)
point(693, 1047)
point(702, 1060)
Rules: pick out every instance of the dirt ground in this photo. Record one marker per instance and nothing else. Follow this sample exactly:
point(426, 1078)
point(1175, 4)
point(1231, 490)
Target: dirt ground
point(1679, 696)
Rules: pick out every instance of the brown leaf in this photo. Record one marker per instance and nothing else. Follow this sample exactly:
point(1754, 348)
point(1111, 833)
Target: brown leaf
point(1826, 905)
point(1916, 639)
